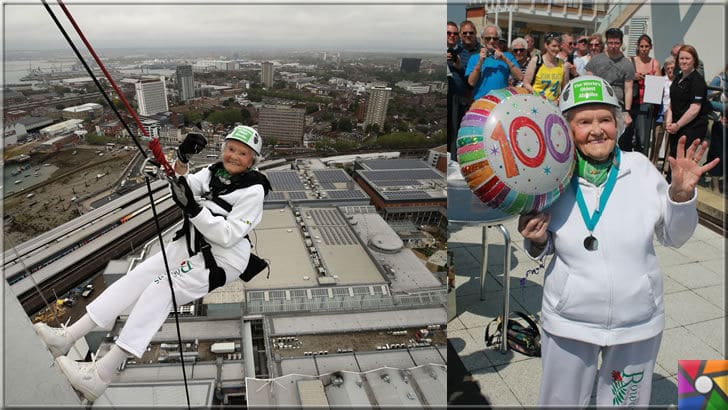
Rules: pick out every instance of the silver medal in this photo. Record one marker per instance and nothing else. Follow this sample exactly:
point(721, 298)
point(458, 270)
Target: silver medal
point(591, 243)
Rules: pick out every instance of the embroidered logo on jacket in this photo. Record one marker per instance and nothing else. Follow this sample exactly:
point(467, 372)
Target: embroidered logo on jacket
point(626, 387)
point(184, 267)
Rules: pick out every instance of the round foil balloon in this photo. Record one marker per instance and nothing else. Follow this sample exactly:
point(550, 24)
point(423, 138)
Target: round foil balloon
point(515, 151)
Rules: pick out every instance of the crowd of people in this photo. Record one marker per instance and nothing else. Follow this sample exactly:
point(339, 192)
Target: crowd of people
point(654, 119)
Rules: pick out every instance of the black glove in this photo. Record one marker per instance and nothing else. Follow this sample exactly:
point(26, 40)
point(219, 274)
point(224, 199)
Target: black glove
point(183, 197)
point(194, 143)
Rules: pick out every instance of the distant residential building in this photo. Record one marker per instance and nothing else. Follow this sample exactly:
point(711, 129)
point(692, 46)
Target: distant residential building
point(15, 115)
point(151, 96)
point(152, 127)
point(266, 73)
point(284, 124)
point(410, 65)
point(185, 82)
point(377, 106)
point(86, 112)
point(412, 87)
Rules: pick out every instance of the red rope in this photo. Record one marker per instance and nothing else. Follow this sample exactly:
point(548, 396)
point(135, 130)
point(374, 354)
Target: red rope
point(153, 144)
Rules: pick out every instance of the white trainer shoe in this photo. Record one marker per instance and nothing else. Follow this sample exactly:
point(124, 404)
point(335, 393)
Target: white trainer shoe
point(83, 377)
point(58, 340)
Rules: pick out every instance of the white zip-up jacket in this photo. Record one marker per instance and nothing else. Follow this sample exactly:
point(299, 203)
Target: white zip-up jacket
point(225, 231)
point(612, 295)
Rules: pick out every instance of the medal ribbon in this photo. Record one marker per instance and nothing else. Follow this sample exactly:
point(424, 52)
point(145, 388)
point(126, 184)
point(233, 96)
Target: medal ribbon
point(591, 221)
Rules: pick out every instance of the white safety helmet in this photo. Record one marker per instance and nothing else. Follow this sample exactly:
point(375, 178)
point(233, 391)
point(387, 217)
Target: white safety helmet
point(587, 89)
point(248, 136)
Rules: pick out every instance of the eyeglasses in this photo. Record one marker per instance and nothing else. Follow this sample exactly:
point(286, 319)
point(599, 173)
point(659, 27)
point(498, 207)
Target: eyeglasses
point(467, 33)
point(452, 33)
point(571, 43)
point(595, 45)
point(582, 41)
point(489, 38)
point(519, 50)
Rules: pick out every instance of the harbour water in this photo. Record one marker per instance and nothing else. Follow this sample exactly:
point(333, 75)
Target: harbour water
point(27, 177)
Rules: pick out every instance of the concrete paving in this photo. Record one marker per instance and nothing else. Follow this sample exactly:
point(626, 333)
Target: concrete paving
point(694, 278)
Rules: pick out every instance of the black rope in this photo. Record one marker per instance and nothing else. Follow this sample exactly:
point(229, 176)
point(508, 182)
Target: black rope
point(149, 188)
point(93, 77)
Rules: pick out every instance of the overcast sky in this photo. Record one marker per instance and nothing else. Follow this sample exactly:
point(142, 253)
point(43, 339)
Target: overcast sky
point(327, 25)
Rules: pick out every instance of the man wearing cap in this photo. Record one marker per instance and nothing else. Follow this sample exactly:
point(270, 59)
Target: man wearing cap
point(222, 204)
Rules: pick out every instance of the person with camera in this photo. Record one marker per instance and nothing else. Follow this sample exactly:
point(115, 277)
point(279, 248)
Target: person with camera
point(491, 68)
point(222, 204)
point(456, 87)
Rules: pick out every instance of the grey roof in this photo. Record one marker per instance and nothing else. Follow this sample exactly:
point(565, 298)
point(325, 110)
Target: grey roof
point(390, 164)
point(356, 321)
point(156, 394)
point(421, 386)
point(416, 183)
point(410, 273)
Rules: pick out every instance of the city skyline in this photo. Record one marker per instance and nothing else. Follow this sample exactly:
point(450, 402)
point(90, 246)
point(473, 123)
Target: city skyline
point(286, 26)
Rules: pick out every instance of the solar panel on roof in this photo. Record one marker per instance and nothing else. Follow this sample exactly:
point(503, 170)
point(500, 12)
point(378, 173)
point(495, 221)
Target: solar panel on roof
point(396, 195)
point(297, 195)
point(345, 194)
point(395, 164)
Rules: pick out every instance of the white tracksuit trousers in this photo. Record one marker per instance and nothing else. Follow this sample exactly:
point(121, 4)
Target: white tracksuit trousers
point(570, 366)
point(147, 284)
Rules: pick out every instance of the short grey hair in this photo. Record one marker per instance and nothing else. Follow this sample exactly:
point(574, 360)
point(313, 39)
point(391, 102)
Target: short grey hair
point(498, 31)
point(519, 41)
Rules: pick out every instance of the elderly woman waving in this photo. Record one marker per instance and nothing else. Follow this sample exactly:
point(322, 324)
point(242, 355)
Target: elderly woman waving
point(603, 290)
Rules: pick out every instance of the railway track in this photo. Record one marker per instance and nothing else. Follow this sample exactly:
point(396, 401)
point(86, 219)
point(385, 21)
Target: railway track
point(72, 275)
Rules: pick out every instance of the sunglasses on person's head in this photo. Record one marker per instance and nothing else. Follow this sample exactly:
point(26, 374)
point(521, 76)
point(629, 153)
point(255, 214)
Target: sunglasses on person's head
point(452, 33)
point(553, 36)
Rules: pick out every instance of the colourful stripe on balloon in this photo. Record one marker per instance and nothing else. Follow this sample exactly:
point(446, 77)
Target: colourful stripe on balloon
point(484, 105)
point(528, 206)
point(469, 139)
point(498, 201)
point(471, 119)
point(519, 203)
point(465, 149)
point(469, 169)
point(483, 191)
point(502, 93)
point(480, 176)
point(468, 157)
point(539, 202)
point(491, 97)
point(470, 131)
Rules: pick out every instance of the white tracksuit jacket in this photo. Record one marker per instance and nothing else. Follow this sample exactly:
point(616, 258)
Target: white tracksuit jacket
point(613, 295)
point(226, 232)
